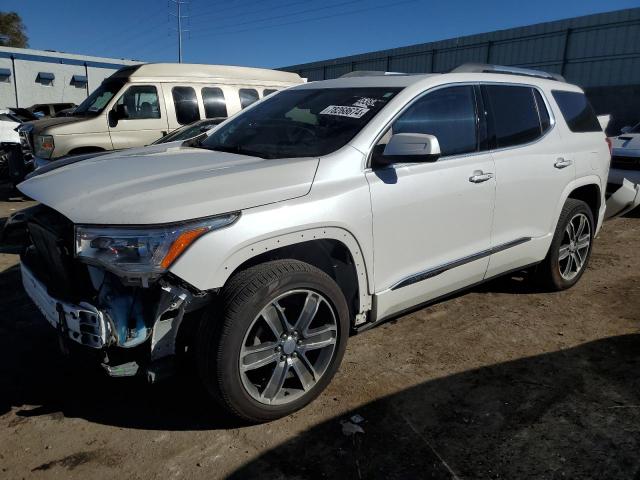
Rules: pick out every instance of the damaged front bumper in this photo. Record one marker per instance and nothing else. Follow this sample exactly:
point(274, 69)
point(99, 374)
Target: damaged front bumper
point(82, 323)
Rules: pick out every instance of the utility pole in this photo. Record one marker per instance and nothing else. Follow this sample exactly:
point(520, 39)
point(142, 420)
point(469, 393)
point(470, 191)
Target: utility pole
point(179, 30)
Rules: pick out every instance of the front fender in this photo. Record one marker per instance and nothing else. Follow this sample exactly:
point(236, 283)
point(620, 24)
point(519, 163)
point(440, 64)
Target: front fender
point(210, 262)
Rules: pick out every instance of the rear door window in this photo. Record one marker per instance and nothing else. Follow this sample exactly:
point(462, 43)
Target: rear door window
point(577, 111)
point(513, 118)
point(268, 91)
point(214, 102)
point(248, 96)
point(186, 104)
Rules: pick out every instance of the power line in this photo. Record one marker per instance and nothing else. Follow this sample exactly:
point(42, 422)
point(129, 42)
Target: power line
point(250, 12)
point(293, 14)
point(305, 20)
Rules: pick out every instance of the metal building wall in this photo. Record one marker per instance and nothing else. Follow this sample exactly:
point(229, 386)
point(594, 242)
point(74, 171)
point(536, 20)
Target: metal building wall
point(22, 89)
point(601, 53)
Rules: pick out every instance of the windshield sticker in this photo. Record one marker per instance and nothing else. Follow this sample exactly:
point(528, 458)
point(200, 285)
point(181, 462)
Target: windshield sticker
point(366, 102)
point(345, 111)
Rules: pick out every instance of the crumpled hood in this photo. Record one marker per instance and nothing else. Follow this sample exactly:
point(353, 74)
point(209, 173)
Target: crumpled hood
point(626, 142)
point(177, 184)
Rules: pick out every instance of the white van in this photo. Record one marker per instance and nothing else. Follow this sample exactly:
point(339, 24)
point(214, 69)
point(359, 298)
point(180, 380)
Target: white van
point(139, 104)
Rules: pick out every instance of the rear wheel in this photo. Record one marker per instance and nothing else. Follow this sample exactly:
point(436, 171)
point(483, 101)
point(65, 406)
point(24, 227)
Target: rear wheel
point(280, 339)
point(570, 248)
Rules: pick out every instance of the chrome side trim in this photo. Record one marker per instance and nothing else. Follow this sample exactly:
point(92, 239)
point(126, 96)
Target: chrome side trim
point(432, 272)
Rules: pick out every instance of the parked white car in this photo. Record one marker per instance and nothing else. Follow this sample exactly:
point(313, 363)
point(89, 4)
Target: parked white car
point(325, 209)
point(625, 159)
point(8, 125)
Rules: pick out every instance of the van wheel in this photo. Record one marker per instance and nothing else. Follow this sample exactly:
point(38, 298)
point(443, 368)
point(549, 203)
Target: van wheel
point(570, 249)
point(275, 341)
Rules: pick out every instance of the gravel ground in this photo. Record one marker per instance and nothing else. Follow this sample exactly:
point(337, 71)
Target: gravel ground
point(501, 382)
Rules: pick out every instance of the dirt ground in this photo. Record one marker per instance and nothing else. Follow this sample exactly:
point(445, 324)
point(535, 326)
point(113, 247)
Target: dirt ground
point(502, 382)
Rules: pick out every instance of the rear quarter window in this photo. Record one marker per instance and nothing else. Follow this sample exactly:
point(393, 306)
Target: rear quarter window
point(577, 111)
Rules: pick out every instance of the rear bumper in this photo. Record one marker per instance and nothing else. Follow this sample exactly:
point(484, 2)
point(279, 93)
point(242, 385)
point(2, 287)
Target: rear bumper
point(83, 323)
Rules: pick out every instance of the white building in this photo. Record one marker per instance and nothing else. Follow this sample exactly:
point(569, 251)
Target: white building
point(30, 76)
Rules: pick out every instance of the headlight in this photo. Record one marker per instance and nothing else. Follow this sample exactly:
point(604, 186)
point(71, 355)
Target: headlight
point(141, 251)
point(44, 146)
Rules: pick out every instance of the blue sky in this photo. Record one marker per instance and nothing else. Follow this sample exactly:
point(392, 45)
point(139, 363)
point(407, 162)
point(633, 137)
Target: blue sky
point(272, 33)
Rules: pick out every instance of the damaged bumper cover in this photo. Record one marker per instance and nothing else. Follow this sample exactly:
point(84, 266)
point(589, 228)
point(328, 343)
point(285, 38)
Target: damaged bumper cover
point(82, 323)
point(623, 200)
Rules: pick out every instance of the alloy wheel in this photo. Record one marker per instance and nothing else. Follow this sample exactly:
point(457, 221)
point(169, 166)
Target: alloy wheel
point(574, 247)
point(288, 347)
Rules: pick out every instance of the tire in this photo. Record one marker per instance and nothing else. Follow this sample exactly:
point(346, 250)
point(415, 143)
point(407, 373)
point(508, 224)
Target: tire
point(249, 318)
point(552, 273)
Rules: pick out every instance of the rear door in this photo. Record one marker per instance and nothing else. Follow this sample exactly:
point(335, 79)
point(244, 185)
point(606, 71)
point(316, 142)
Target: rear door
point(532, 170)
point(146, 119)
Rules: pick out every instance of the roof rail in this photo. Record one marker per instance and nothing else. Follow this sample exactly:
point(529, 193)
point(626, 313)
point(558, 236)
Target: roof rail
point(487, 68)
point(369, 73)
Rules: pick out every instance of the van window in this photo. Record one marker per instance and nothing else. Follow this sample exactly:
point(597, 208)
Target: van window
point(449, 114)
point(248, 96)
point(268, 91)
point(543, 113)
point(141, 102)
point(577, 111)
point(513, 115)
point(186, 104)
point(214, 103)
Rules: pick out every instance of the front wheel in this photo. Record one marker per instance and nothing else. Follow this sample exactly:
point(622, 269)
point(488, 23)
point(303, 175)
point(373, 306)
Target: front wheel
point(279, 339)
point(570, 248)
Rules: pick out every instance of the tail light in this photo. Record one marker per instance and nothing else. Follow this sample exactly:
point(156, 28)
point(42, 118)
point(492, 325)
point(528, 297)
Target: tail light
point(608, 140)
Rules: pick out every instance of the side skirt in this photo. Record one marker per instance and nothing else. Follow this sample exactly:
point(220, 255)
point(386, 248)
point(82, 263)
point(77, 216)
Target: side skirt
point(439, 299)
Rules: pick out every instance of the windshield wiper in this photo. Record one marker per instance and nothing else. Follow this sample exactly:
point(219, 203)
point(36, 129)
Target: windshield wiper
point(238, 149)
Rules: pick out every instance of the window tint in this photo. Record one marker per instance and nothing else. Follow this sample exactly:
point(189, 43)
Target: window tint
point(577, 111)
point(186, 105)
point(214, 103)
point(514, 115)
point(268, 91)
point(141, 102)
point(449, 114)
point(248, 96)
point(545, 119)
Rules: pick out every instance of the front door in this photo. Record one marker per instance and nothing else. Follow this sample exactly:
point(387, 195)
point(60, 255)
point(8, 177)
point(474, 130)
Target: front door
point(432, 221)
point(145, 121)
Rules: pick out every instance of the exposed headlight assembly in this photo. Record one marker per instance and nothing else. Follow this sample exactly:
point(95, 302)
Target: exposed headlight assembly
point(44, 146)
point(142, 252)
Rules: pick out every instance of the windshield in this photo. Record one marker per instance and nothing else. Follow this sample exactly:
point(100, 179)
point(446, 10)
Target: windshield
point(190, 131)
point(301, 123)
point(95, 103)
point(635, 129)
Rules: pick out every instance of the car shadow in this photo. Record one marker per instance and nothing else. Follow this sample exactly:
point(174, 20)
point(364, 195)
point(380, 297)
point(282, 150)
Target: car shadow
point(568, 414)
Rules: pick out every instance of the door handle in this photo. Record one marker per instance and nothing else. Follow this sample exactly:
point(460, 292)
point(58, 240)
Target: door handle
point(479, 176)
point(562, 163)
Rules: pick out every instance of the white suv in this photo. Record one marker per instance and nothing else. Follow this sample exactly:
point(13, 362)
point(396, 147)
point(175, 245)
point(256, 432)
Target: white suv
point(321, 210)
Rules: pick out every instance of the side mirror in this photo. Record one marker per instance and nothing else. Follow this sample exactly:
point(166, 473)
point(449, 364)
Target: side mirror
point(122, 111)
point(411, 147)
point(626, 129)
